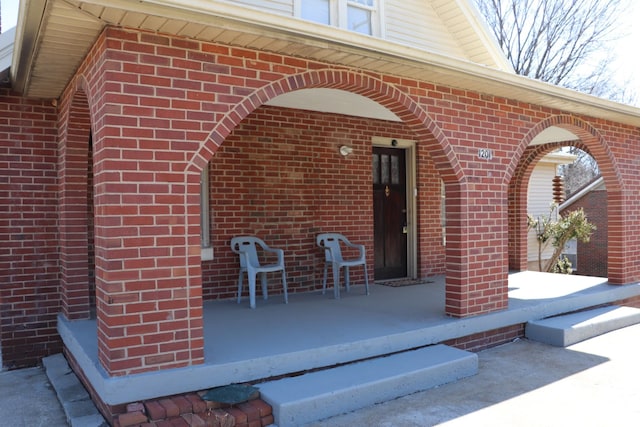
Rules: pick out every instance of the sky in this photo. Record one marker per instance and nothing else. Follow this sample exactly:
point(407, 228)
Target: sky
point(628, 62)
point(627, 47)
point(9, 10)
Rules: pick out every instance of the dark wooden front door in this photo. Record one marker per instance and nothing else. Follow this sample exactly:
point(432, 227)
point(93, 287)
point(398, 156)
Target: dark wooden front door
point(389, 212)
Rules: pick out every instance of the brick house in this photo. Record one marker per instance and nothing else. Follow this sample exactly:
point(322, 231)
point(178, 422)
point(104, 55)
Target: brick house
point(591, 256)
point(138, 137)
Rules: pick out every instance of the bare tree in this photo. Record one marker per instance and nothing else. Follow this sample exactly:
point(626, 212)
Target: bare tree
point(563, 42)
point(581, 172)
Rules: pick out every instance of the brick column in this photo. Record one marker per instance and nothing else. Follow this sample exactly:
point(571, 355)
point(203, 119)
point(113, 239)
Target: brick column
point(74, 140)
point(517, 226)
point(148, 284)
point(477, 279)
point(622, 267)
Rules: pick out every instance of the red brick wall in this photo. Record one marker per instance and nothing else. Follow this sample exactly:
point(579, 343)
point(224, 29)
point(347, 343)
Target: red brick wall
point(209, 89)
point(630, 302)
point(75, 189)
point(160, 109)
point(279, 176)
point(602, 145)
point(592, 256)
point(29, 298)
point(483, 340)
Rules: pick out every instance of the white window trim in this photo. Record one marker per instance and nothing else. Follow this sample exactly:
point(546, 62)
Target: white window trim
point(206, 250)
point(443, 212)
point(343, 14)
point(338, 14)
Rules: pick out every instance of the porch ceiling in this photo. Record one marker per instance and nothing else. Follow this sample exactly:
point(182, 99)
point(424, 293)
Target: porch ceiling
point(54, 36)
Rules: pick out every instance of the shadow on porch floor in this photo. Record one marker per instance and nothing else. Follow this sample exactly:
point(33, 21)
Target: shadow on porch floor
point(314, 330)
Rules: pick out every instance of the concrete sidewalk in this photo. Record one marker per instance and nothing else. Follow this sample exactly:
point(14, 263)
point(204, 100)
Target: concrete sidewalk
point(592, 383)
point(28, 400)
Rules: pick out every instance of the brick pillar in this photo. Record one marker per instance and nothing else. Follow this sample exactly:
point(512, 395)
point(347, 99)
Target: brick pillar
point(148, 275)
point(477, 279)
point(29, 267)
point(74, 209)
point(621, 235)
point(517, 226)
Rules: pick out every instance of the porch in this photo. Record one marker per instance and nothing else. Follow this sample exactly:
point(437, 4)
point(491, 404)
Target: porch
point(315, 330)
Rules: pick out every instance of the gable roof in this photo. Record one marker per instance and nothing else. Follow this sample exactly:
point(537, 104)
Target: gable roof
point(596, 184)
point(53, 36)
point(466, 25)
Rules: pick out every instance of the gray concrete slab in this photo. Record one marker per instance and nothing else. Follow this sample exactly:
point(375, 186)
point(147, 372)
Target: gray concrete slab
point(321, 394)
point(526, 384)
point(315, 330)
point(79, 409)
point(27, 399)
point(572, 328)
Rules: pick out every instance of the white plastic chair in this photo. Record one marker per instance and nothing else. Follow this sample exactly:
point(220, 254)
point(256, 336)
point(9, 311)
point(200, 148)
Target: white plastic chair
point(247, 249)
point(331, 243)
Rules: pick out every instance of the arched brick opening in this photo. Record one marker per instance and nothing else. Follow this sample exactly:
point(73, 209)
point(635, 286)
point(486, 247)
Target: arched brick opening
point(386, 95)
point(76, 209)
point(590, 141)
point(412, 116)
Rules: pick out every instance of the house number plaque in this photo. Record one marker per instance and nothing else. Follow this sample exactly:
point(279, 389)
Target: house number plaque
point(485, 154)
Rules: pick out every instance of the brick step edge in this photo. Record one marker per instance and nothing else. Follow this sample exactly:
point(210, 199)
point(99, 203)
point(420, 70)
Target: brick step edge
point(191, 410)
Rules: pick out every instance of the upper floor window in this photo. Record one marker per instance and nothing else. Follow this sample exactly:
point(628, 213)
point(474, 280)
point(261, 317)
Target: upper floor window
point(356, 15)
point(316, 11)
point(360, 16)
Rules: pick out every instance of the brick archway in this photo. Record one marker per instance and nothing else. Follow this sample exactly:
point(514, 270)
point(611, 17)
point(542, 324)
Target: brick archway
point(411, 114)
point(592, 143)
point(384, 94)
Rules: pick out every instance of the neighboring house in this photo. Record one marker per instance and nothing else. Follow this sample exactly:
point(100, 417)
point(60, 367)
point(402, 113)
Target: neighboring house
point(6, 50)
point(591, 257)
point(137, 138)
point(540, 198)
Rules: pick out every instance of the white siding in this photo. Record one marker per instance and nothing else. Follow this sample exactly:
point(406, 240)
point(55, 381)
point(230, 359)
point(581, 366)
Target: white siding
point(540, 197)
point(415, 23)
point(281, 7)
point(441, 27)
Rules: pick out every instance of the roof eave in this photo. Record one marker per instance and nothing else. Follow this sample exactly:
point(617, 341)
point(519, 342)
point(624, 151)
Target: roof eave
point(483, 31)
point(559, 158)
point(416, 63)
point(590, 187)
point(30, 17)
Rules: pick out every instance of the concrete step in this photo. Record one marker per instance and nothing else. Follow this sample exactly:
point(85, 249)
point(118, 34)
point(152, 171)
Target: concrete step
point(562, 331)
point(74, 398)
point(322, 394)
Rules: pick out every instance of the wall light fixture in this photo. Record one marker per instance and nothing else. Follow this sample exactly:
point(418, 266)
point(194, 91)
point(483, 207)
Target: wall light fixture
point(345, 150)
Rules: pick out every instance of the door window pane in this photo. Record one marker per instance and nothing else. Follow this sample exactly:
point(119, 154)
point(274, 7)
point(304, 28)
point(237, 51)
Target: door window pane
point(316, 10)
point(376, 169)
point(395, 170)
point(384, 172)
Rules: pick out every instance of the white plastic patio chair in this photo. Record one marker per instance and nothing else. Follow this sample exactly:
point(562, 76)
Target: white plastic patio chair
point(331, 243)
point(247, 249)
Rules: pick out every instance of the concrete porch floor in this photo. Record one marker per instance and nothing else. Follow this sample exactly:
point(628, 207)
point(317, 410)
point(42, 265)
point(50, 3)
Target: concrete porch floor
point(314, 330)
